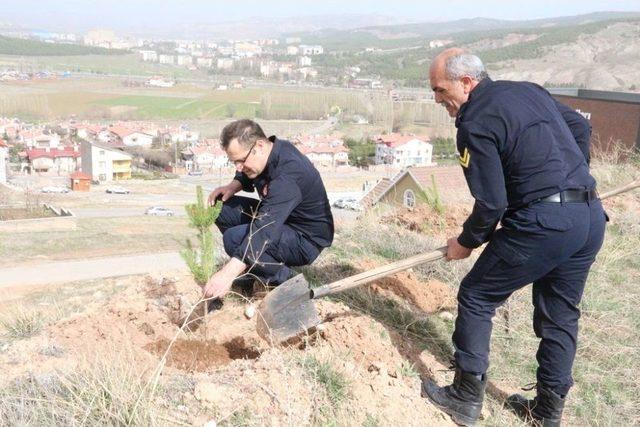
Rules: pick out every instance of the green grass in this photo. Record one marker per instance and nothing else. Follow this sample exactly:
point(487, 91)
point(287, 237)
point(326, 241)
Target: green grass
point(97, 237)
point(21, 323)
point(158, 107)
point(333, 382)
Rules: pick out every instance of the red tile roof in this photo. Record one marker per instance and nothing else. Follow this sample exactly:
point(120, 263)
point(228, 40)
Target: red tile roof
point(79, 175)
point(396, 139)
point(3, 143)
point(52, 153)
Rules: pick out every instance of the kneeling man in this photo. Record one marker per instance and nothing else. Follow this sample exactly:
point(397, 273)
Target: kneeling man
point(288, 225)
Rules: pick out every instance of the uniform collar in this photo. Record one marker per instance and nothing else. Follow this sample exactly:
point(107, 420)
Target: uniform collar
point(274, 157)
point(475, 93)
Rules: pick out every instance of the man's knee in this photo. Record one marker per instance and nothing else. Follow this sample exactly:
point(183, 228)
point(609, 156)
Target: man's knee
point(233, 237)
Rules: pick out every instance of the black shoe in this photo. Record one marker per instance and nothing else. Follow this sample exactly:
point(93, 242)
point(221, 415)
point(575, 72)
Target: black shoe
point(244, 285)
point(214, 304)
point(544, 410)
point(462, 400)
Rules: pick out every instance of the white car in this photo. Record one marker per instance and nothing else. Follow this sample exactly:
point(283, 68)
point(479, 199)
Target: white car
point(117, 190)
point(158, 211)
point(54, 189)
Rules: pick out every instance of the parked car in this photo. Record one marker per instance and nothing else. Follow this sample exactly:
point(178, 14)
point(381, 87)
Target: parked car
point(342, 203)
point(158, 211)
point(196, 172)
point(117, 190)
point(54, 189)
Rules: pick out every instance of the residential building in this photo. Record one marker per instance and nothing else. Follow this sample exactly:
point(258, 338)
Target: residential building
point(166, 59)
point(184, 60)
point(410, 187)
point(123, 136)
point(205, 62)
point(304, 61)
point(160, 82)
point(292, 50)
point(224, 63)
point(403, 151)
point(149, 55)
point(105, 163)
point(311, 49)
point(206, 156)
point(58, 160)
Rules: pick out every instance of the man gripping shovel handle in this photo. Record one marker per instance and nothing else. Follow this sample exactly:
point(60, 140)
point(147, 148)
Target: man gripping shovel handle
point(288, 311)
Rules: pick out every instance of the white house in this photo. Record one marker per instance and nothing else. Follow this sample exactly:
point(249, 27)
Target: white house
point(160, 82)
point(149, 55)
point(105, 163)
point(130, 137)
point(166, 59)
point(403, 150)
point(208, 155)
point(65, 159)
point(311, 49)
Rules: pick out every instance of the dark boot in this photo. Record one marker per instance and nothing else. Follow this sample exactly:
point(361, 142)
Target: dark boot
point(462, 400)
point(544, 410)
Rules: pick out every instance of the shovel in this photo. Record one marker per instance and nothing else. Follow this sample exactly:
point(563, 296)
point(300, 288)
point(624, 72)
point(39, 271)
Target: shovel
point(288, 311)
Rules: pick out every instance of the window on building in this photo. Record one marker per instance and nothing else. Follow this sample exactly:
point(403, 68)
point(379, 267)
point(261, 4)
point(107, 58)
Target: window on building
point(102, 152)
point(409, 199)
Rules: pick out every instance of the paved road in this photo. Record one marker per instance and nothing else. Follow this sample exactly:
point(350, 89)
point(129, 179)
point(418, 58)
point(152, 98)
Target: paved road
point(57, 272)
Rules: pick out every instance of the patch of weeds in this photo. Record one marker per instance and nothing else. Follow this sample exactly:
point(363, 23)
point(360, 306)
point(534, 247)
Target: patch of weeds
point(408, 369)
point(108, 393)
point(51, 350)
point(333, 382)
point(241, 418)
point(371, 421)
point(22, 324)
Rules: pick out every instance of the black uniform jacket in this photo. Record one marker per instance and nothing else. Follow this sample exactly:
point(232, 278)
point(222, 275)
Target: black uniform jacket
point(291, 193)
point(517, 144)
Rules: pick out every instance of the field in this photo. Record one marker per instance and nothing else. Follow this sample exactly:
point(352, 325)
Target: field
point(363, 367)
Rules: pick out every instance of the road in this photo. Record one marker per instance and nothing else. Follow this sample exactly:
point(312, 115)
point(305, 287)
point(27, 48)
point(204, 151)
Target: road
point(57, 272)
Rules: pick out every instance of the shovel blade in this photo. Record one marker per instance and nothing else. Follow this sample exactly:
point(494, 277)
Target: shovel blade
point(287, 312)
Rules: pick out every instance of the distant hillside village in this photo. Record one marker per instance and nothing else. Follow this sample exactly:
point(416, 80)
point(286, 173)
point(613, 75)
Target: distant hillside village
point(115, 151)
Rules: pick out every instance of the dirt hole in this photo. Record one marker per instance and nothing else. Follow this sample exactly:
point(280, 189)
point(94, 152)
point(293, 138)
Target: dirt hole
point(195, 355)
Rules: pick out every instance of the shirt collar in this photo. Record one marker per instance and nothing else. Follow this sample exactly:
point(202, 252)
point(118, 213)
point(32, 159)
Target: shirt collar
point(274, 156)
point(475, 93)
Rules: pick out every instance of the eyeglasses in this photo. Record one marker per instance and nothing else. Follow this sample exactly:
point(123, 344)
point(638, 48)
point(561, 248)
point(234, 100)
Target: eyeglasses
point(241, 162)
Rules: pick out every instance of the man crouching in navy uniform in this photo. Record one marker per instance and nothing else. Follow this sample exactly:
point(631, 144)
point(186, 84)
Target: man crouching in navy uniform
point(288, 225)
point(526, 160)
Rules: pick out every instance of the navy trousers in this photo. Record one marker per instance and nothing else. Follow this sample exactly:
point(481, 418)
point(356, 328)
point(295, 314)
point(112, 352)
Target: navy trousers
point(551, 245)
point(271, 264)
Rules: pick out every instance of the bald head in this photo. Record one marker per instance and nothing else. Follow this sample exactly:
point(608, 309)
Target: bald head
point(453, 74)
point(439, 62)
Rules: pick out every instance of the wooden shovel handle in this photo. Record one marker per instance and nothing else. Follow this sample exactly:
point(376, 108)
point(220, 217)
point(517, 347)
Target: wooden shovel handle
point(377, 273)
point(629, 186)
point(394, 267)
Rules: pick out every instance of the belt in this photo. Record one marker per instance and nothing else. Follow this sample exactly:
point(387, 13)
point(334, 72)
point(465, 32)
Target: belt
point(571, 196)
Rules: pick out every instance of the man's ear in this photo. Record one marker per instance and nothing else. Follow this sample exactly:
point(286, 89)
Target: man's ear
point(468, 84)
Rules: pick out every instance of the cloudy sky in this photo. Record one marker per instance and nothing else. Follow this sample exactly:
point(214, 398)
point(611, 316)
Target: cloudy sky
point(77, 15)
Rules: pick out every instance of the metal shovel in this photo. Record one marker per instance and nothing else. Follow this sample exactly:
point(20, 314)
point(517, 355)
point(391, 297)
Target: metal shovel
point(288, 311)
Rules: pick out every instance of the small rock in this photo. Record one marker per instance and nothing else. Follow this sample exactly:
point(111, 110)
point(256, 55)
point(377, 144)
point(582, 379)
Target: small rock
point(210, 423)
point(377, 366)
point(250, 311)
point(445, 315)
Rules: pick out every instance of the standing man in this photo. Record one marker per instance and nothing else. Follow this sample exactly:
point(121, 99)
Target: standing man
point(288, 225)
point(525, 159)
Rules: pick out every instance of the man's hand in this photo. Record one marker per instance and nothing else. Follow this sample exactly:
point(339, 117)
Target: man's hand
point(218, 285)
point(224, 192)
point(456, 251)
point(221, 282)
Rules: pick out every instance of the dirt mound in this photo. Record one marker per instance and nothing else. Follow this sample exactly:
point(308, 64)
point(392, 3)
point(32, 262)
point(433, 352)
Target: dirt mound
point(430, 297)
point(196, 355)
point(424, 219)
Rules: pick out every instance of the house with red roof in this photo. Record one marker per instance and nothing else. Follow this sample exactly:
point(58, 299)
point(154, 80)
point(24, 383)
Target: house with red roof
point(401, 151)
point(124, 136)
point(60, 160)
point(206, 155)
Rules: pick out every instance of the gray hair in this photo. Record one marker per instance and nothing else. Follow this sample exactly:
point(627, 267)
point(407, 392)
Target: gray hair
point(465, 64)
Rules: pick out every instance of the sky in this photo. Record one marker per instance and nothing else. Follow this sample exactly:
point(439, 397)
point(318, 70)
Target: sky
point(80, 14)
